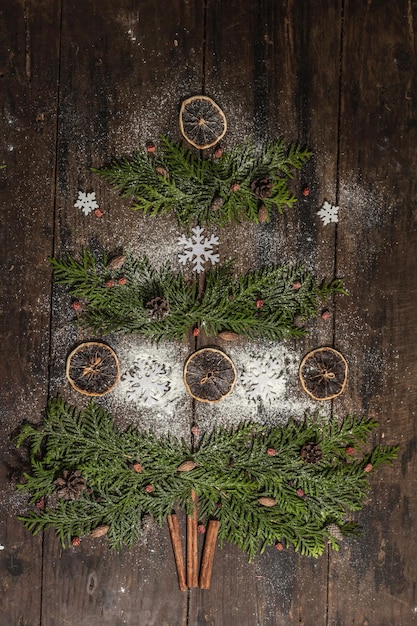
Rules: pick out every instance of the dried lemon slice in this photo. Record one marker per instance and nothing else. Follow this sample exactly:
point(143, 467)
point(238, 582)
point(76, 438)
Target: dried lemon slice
point(202, 122)
point(323, 373)
point(209, 375)
point(92, 368)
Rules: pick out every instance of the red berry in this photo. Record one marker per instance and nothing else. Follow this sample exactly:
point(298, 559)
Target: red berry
point(296, 285)
point(109, 283)
point(75, 541)
point(196, 332)
point(368, 467)
point(279, 546)
point(350, 450)
point(98, 213)
point(306, 191)
point(40, 503)
point(218, 153)
point(149, 488)
point(326, 315)
point(76, 305)
point(271, 452)
point(300, 493)
point(201, 529)
point(259, 304)
point(122, 281)
point(195, 430)
point(235, 187)
point(150, 147)
point(137, 467)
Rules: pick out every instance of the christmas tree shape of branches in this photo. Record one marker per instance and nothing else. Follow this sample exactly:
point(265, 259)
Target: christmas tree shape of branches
point(230, 188)
point(273, 302)
point(292, 484)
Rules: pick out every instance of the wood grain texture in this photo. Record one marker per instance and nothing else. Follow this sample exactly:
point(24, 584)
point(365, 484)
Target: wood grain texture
point(29, 39)
point(372, 581)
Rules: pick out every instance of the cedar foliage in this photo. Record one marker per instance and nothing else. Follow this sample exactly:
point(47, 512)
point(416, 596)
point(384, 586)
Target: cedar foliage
point(205, 190)
point(227, 303)
point(234, 468)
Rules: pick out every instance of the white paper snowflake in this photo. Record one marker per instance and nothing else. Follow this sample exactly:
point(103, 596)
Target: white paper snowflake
point(328, 213)
point(86, 202)
point(197, 249)
point(147, 381)
point(263, 378)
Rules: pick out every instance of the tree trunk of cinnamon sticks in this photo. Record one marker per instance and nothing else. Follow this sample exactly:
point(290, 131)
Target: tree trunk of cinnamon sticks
point(192, 547)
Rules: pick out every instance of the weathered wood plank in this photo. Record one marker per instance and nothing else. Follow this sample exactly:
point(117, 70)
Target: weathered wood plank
point(372, 581)
point(125, 68)
point(280, 84)
point(29, 41)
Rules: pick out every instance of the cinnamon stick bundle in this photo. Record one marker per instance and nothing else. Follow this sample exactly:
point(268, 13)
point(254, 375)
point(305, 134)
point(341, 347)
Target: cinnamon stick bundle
point(174, 529)
point(192, 546)
point(208, 554)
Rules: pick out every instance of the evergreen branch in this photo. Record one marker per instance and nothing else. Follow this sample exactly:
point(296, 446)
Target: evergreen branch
point(288, 294)
point(177, 180)
point(131, 474)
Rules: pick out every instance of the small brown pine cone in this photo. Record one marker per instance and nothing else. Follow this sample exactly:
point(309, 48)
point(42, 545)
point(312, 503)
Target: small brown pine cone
point(217, 203)
point(261, 187)
point(161, 171)
point(311, 452)
point(70, 485)
point(334, 531)
point(157, 308)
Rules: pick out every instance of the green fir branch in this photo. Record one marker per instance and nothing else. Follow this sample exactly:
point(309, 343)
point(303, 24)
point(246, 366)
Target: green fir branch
point(290, 295)
point(177, 180)
point(130, 474)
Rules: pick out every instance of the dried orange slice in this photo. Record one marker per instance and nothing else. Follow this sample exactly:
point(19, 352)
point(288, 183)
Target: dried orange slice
point(209, 375)
point(323, 373)
point(202, 122)
point(92, 368)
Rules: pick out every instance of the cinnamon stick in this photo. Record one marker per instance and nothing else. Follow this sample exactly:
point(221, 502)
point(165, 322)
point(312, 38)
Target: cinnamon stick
point(174, 529)
point(208, 553)
point(192, 547)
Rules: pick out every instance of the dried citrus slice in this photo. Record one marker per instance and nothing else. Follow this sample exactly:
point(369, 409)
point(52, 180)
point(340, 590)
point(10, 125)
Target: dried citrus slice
point(202, 122)
point(323, 373)
point(92, 368)
point(209, 375)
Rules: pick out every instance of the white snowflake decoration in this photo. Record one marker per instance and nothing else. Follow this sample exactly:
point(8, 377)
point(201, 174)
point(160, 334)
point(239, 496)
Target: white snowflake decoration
point(263, 378)
point(328, 213)
point(86, 202)
point(147, 381)
point(197, 249)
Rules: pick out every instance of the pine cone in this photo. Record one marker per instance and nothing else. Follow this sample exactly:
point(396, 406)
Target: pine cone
point(217, 203)
point(157, 308)
point(334, 531)
point(70, 485)
point(261, 187)
point(311, 452)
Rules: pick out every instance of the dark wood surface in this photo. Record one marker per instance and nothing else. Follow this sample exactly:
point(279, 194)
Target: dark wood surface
point(84, 82)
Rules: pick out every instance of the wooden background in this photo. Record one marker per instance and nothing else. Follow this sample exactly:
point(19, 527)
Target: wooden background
point(82, 82)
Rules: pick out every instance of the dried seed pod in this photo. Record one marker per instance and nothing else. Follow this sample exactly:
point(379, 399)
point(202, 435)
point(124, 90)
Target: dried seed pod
point(262, 214)
point(228, 335)
point(186, 466)
point(116, 262)
point(161, 171)
point(100, 531)
point(334, 531)
point(267, 501)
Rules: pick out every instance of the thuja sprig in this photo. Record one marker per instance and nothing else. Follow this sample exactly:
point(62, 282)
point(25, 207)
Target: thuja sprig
point(274, 302)
point(289, 485)
point(217, 190)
